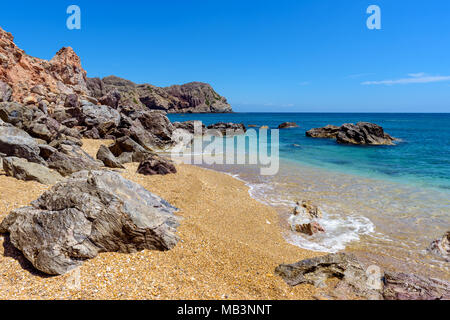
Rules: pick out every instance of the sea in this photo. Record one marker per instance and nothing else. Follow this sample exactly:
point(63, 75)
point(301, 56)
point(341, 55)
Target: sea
point(385, 204)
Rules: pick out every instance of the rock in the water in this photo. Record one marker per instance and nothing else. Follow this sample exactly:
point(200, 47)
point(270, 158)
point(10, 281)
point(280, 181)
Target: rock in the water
point(329, 132)
point(288, 125)
point(70, 159)
point(353, 278)
point(90, 213)
point(402, 286)
point(441, 247)
point(109, 160)
point(362, 133)
point(17, 143)
point(28, 171)
point(5, 92)
point(309, 228)
point(155, 164)
point(227, 129)
point(307, 209)
point(190, 126)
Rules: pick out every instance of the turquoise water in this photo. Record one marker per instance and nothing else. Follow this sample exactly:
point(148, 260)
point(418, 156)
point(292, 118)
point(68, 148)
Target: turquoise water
point(384, 203)
point(422, 157)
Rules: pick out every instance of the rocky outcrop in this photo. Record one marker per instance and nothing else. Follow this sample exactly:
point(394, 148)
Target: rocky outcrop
point(156, 165)
point(288, 125)
point(345, 267)
point(108, 159)
point(33, 80)
point(5, 92)
point(190, 126)
point(70, 158)
point(194, 97)
point(28, 171)
point(441, 247)
point(402, 286)
point(227, 129)
point(362, 133)
point(90, 213)
point(329, 132)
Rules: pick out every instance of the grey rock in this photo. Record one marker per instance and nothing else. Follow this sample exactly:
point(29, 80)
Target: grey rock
point(363, 133)
point(5, 92)
point(28, 171)
point(328, 131)
point(190, 126)
point(288, 125)
point(402, 286)
point(127, 150)
point(101, 117)
point(70, 159)
point(111, 99)
point(90, 213)
point(108, 159)
point(227, 128)
point(156, 165)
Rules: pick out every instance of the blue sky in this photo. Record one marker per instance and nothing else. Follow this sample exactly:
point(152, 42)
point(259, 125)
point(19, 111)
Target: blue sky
point(280, 56)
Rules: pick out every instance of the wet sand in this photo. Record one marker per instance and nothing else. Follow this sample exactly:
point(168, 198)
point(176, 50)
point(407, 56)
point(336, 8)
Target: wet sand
point(230, 245)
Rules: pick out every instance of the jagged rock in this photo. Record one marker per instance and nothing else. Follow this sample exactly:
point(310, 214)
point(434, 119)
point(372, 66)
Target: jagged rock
point(108, 159)
point(345, 267)
point(307, 209)
point(90, 213)
point(156, 165)
point(28, 171)
point(70, 159)
point(309, 228)
point(329, 131)
point(17, 143)
point(5, 92)
point(46, 151)
point(363, 133)
point(402, 286)
point(111, 99)
point(190, 126)
point(227, 128)
point(100, 117)
point(441, 247)
point(16, 113)
point(127, 150)
point(288, 125)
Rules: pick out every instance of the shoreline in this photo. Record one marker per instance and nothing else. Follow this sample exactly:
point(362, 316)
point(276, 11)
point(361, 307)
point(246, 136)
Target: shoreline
point(229, 248)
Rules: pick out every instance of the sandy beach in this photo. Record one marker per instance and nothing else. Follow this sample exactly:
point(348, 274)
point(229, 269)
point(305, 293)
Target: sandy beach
point(230, 245)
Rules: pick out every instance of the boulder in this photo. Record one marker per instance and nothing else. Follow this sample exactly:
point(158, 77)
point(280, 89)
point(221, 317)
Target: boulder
point(28, 171)
point(288, 125)
point(17, 143)
point(329, 132)
point(441, 247)
point(307, 209)
point(111, 99)
point(345, 267)
point(364, 133)
point(70, 159)
point(402, 286)
point(190, 126)
point(309, 228)
point(108, 159)
point(100, 117)
point(127, 150)
point(156, 165)
point(5, 92)
point(87, 214)
point(225, 129)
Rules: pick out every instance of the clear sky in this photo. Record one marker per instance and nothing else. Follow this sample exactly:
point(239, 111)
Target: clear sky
point(279, 56)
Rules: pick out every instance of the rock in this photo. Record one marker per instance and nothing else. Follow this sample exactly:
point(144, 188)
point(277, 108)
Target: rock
point(5, 92)
point(90, 213)
point(157, 123)
point(156, 165)
point(308, 228)
point(402, 286)
point(225, 129)
point(70, 159)
point(30, 100)
point(46, 151)
point(194, 97)
point(28, 171)
point(100, 117)
point(307, 209)
point(288, 125)
point(345, 267)
point(441, 247)
point(17, 143)
point(127, 150)
point(111, 99)
point(329, 131)
point(109, 160)
point(72, 102)
point(363, 133)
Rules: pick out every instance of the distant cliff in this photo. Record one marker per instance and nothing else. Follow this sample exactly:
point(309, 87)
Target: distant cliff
point(193, 97)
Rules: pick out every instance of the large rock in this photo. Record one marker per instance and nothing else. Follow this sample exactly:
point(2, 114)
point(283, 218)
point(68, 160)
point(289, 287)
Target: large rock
point(127, 150)
point(362, 133)
point(111, 99)
point(345, 267)
point(227, 129)
point(5, 92)
point(102, 118)
point(156, 165)
point(90, 213)
point(108, 159)
point(329, 132)
point(17, 143)
point(28, 171)
point(191, 127)
point(402, 286)
point(288, 125)
point(70, 159)
point(441, 247)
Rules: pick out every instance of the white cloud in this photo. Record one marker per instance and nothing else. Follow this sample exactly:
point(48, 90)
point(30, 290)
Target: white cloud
point(413, 78)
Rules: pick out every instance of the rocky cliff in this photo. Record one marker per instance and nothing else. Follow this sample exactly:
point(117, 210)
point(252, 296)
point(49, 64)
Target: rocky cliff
point(194, 97)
